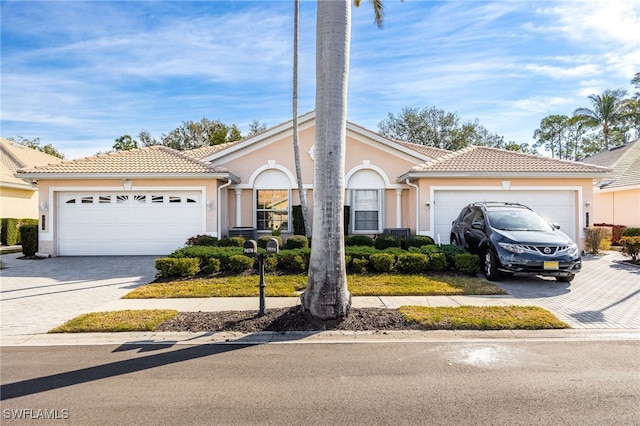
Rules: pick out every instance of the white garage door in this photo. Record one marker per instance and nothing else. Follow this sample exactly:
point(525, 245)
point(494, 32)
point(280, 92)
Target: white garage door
point(555, 206)
point(127, 223)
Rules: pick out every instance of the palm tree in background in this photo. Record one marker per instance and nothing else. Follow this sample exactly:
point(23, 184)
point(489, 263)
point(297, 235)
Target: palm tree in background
point(608, 109)
point(326, 298)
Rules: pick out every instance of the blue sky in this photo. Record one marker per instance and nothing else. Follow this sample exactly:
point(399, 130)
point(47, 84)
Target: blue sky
point(80, 74)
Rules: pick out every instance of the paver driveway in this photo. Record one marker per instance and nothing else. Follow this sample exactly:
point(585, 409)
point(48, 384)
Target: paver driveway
point(605, 294)
point(37, 295)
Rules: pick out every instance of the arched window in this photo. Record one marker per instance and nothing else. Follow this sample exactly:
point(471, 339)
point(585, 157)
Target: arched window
point(366, 190)
point(272, 195)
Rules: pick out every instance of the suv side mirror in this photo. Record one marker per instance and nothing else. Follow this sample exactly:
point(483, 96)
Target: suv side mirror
point(556, 225)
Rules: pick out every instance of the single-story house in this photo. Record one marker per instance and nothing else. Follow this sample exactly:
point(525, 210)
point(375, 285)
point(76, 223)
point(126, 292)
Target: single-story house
point(150, 200)
point(616, 198)
point(19, 197)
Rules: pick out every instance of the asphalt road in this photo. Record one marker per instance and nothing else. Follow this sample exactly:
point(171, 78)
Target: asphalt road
point(547, 382)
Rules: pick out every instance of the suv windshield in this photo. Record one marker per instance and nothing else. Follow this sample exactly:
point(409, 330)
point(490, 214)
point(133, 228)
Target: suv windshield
point(518, 220)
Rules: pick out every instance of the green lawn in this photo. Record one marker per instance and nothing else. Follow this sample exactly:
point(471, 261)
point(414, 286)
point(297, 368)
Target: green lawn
point(292, 285)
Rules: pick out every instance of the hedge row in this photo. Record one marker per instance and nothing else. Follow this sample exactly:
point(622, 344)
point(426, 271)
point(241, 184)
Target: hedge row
point(10, 230)
point(359, 259)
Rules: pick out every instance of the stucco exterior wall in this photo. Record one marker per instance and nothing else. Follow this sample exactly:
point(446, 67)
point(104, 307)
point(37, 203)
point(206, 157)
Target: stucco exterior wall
point(617, 207)
point(18, 203)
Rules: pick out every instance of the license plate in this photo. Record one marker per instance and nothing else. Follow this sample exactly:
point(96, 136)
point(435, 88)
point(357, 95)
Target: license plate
point(551, 265)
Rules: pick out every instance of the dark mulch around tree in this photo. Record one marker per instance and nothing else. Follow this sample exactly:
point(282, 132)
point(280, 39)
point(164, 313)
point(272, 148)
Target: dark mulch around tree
point(284, 319)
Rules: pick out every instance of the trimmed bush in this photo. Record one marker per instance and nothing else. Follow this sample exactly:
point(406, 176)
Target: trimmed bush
point(359, 240)
point(169, 267)
point(239, 263)
point(9, 232)
point(361, 252)
point(382, 262)
point(214, 265)
point(29, 237)
point(292, 261)
point(358, 265)
point(467, 263)
point(231, 242)
point(202, 240)
point(596, 239)
point(437, 262)
point(426, 249)
point(631, 247)
point(418, 241)
point(262, 241)
point(296, 242)
point(450, 251)
point(412, 263)
point(631, 232)
point(205, 253)
point(270, 263)
point(386, 241)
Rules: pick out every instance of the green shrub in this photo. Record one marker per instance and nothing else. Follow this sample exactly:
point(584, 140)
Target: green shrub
point(29, 237)
point(631, 247)
point(231, 242)
point(359, 240)
point(358, 265)
point(467, 263)
point(296, 242)
point(9, 232)
point(214, 265)
point(270, 263)
point(450, 251)
point(595, 239)
point(426, 249)
point(293, 260)
point(205, 253)
point(362, 252)
point(169, 267)
point(412, 263)
point(418, 241)
point(202, 240)
point(239, 263)
point(386, 241)
point(437, 261)
point(382, 262)
point(262, 241)
point(631, 232)
point(395, 251)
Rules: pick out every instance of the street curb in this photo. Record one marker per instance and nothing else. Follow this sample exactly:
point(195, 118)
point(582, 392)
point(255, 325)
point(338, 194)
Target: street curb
point(311, 337)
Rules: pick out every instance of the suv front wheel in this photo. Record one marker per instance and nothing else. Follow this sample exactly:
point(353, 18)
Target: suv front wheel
point(491, 266)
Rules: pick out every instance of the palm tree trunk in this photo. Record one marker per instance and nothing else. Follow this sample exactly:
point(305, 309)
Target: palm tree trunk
point(296, 145)
point(327, 298)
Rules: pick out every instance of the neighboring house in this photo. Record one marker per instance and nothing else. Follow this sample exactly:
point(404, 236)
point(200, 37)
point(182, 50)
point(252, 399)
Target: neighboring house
point(150, 200)
point(19, 197)
point(616, 198)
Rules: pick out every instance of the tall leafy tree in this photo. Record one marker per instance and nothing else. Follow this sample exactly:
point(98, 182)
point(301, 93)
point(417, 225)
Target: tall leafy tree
point(607, 110)
point(36, 144)
point(125, 143)
point(551, 135)
point(326, 297)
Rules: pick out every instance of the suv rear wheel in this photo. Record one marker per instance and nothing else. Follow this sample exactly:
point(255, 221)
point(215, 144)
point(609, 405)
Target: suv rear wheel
point(491, 266)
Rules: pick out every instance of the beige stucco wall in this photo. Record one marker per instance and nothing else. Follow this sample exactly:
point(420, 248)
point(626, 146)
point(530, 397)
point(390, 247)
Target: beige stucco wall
point(18, 203)
point(361, 154)
point(50, 188)
point(617, 207)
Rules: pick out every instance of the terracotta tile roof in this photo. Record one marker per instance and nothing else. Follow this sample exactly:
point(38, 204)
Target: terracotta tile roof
point(429, 151)
point(206, 151)
point(155, 160)
point(14, 156)
point(481, 160)
point(625, 162)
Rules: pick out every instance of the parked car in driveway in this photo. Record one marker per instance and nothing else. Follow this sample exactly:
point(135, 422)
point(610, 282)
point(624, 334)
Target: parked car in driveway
point(513, 239)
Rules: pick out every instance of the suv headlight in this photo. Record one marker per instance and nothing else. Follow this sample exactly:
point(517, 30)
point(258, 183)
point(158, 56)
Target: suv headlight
point(573, 250)
point(513, 248)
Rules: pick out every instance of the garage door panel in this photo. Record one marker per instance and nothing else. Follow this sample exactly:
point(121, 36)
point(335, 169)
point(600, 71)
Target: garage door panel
point(127, 224)
point(555, 206)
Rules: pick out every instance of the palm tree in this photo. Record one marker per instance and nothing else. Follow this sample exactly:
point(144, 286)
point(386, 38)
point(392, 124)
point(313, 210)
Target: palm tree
point(608, 110)
point(326, 298)
point(296, 145)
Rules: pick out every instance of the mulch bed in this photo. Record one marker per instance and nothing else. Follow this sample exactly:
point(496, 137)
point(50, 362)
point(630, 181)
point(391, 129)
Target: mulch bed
point(283, 320)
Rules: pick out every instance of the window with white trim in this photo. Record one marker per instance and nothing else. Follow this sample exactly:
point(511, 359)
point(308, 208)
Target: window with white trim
point(367, 206)
point(272, 209)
